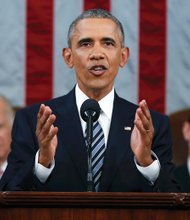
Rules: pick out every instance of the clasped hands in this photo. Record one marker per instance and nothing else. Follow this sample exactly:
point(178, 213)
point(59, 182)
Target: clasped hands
point(141, 137)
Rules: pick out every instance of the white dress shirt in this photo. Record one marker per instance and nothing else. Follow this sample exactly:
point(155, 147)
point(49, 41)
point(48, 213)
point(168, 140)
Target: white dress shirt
point(2, 168)
point(188, 165)
point(106, 112)
point(106, 104)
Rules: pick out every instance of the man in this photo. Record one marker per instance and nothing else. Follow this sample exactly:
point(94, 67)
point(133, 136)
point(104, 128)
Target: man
point(49, 152)
point(6, 121)
point(183, 172)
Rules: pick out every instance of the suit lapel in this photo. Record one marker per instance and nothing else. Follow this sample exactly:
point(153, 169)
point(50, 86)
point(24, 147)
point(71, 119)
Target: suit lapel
point(70, 137)
point(70, 134)
point(118, 141)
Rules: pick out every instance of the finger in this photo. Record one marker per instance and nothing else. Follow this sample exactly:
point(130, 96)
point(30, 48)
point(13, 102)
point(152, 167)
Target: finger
point(42, 117)
point(143, 105)
point(39, 115)
point(140, 127)
point(145, 123)
point(52, 133)
point(48, 124)
point(146, 137)
point(41, 110)
point(45, 133)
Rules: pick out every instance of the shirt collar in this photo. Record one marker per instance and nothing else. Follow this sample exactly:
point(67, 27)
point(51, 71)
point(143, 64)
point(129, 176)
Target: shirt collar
point(188, 164)
point(3, 166)
point(106, 103)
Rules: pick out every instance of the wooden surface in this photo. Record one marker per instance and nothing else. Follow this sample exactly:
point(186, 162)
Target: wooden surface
point(92, 206)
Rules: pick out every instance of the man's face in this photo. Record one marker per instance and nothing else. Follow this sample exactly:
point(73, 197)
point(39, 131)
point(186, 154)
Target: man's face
point(96, 54)
point(186, 131)
point(5, 133)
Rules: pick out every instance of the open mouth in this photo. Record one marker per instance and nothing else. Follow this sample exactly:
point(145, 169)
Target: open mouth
point(97, 70)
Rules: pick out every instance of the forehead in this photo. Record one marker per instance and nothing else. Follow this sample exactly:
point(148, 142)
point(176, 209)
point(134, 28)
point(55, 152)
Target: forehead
point(3, 117)
point(93, 27)
point(2, 106)
point(3, 109)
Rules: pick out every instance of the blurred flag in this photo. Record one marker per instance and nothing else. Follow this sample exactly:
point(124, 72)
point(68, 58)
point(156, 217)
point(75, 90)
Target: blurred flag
point(33, 33)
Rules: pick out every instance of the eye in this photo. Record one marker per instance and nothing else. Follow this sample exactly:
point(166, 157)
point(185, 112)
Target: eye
point(109, 43)
point(85, 43)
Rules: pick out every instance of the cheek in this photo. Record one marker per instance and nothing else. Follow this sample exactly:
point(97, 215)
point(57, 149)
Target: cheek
point(115, 58)
point(115, 65)
point(80, 55)
point(5, 133)
point(79, 61)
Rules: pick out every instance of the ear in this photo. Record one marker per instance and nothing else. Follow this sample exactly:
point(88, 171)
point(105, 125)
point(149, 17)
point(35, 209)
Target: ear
point(124, 56)
point(67, 55)
point(186, 130)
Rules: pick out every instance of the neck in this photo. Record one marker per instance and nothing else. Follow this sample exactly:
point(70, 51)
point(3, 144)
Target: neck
point(1, 162)
point(96, 95)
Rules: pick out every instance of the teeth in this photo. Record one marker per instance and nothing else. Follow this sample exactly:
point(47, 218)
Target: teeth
point(98, 68)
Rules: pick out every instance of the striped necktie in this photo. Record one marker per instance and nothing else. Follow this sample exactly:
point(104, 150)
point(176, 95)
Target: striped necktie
point(98, 150)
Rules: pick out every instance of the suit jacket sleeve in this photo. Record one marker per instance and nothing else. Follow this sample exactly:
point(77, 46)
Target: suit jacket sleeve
point(19, 173)
point(162, 146)
point(70, 171)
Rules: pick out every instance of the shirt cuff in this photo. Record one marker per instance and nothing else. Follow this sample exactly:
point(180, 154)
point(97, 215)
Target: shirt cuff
point(42, 172)
point(152, 171)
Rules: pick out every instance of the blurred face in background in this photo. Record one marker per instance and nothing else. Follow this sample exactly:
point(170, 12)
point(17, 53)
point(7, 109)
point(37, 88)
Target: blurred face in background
point(186, 132)
point(5, 131)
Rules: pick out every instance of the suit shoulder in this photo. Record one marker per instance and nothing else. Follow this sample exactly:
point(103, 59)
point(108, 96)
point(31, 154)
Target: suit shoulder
point(52, 103)
point(132, 107)
point(126, 103)
point(123, 103)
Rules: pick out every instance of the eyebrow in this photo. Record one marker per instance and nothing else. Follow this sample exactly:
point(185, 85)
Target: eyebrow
point(108, 39)
point(84, 40)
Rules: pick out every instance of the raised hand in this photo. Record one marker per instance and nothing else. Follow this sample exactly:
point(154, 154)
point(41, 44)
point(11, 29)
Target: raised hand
point(142, 135)
point(46, 134)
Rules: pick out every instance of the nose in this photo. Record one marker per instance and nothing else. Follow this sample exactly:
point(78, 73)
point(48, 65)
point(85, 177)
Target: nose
point(96, 53)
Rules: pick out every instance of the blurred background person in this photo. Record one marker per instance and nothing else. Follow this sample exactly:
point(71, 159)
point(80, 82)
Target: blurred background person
point(182, 172)
point(6, 121)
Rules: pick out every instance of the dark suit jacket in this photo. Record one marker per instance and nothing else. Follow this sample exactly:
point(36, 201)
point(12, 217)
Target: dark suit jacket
point(70, 172)
point(183, 177)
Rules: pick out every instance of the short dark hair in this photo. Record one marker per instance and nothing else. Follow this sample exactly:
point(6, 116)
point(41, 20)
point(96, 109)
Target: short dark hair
point(95, 13)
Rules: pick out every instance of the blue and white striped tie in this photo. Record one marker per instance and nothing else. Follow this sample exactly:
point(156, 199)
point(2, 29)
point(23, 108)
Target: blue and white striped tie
point(98, 150)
